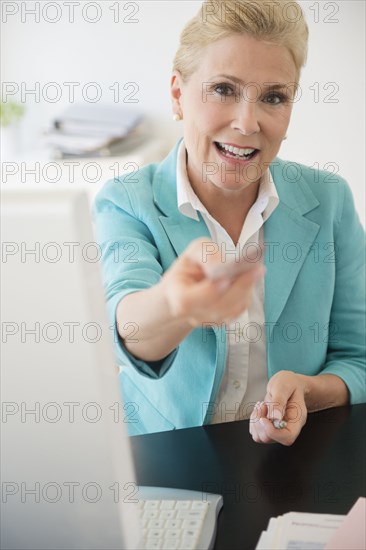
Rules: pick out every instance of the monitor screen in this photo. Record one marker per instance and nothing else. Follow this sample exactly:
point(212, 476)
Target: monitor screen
point(67, 473)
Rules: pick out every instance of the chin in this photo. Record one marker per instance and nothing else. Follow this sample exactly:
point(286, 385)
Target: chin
point(232, 185)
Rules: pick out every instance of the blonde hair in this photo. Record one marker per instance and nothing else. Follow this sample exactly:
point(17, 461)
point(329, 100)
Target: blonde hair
point(277, 21)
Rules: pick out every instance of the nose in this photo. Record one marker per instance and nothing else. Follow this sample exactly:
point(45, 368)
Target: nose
point(246, 118)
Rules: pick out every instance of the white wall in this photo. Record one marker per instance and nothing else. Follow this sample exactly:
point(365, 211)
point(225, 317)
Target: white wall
point(107, 52)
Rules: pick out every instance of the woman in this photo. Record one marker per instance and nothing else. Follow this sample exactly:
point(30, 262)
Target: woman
point(272, 343)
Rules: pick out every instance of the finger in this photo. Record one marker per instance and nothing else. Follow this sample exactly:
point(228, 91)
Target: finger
point(208, 255)
point(296, 413)
point(264, 433)
point(286, 436)
point(293, 412)
point(259, 411)
point(237, 297)
point(254, 417)
point(190, 299)
point(209, 300)
point(277, 399)
point(203, 250)
point(263, 430)
point(256, 428)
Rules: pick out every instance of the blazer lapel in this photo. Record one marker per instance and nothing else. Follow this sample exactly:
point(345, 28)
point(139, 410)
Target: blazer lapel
point(181, 230)
point(288, 236)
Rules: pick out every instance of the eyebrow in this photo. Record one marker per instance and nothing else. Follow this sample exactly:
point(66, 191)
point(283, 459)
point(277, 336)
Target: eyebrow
point(269, 85)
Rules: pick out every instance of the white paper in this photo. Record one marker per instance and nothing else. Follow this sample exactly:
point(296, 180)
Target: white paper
point(300, 531)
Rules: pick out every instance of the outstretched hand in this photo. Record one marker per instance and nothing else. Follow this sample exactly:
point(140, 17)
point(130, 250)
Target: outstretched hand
point(196, 297)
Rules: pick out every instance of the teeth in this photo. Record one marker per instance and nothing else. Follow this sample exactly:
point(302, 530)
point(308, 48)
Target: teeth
point(235, 150)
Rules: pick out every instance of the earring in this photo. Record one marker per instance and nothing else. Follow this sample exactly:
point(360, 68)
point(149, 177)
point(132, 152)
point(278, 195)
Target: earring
point(177, 117)
point(284, 138)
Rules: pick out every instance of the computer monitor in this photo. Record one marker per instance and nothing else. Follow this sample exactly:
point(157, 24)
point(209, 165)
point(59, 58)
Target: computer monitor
point(67, 473)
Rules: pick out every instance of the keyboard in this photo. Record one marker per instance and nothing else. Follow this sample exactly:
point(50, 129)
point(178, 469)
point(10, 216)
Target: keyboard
point(178, 519)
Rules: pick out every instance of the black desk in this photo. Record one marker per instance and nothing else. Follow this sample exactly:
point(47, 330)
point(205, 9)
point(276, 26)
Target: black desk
point(324, 471)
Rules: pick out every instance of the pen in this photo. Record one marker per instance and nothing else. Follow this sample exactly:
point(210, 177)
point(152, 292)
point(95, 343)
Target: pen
point(279, 424)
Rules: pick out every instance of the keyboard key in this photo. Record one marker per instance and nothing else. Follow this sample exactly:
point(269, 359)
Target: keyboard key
point(183, 504)
point(151, 504)
point(171, 544)
point(190, 534)
point(167, 514)
point(150, 514)
point(191, 514)
point(188, 544)
point(173, 523)
point(172, 533)
point(155, 523)
point(155, 533)
point(198, 505)
point(154, 544)
point(167, 504)
point(191, 524)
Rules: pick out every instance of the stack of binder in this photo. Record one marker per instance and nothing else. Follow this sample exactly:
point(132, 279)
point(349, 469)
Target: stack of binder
point(95, 130)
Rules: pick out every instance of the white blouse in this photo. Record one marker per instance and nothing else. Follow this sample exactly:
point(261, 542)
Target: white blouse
point(245, 377)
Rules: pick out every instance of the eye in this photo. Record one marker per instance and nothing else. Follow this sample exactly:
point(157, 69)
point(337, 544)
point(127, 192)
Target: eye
point(275, 98)
point(224, 89)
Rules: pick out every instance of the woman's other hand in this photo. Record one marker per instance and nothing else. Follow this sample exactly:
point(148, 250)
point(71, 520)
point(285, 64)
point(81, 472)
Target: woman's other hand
point(284, 400)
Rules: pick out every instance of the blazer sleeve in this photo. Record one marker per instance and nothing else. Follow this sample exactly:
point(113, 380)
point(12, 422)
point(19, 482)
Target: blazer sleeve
point(130, 263)
point(346, 347)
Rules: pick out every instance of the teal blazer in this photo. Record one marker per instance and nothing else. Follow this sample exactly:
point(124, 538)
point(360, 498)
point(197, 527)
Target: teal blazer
point(314, 288)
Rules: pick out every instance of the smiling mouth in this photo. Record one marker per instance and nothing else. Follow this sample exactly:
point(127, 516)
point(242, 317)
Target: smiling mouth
point(236, 153)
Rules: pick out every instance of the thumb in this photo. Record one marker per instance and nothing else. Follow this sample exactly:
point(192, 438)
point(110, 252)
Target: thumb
point(276, 402)
point(201, 250)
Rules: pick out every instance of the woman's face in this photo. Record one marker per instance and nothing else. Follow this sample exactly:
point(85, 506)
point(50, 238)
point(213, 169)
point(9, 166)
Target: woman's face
point(239, 96)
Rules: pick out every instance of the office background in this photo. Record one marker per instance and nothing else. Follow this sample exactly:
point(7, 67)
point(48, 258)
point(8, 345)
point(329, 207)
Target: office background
point(127, 48)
